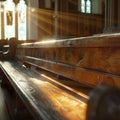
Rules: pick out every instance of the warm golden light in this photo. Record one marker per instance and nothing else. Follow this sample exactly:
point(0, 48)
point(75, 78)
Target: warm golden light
point(61, 101)
point(49, 78)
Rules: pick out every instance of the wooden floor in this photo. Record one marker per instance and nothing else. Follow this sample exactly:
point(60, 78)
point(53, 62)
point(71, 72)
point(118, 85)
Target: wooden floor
point(3, 109)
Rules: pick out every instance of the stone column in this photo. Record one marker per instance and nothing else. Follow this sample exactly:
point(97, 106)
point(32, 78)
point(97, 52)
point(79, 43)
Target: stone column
point(32, 29)
point(112, 16)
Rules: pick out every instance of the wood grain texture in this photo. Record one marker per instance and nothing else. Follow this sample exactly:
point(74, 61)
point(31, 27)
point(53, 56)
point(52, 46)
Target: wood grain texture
point(44, 99)
point(92, 60)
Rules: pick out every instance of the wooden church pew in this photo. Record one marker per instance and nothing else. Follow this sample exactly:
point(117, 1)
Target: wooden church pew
point(52, 77)
point(46, 95)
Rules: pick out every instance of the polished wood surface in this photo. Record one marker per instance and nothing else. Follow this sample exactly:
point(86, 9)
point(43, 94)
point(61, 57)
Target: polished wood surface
point(52, 77)
point(45, 97)
point(91, 60)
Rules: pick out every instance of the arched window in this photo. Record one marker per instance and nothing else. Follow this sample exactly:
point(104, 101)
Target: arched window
point(9, 19)
point(86, 6)
point(12, 24)
point(21, 20)
point(83, 2)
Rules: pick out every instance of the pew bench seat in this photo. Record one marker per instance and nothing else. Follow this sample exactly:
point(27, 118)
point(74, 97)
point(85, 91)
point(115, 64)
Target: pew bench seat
point(43, 95)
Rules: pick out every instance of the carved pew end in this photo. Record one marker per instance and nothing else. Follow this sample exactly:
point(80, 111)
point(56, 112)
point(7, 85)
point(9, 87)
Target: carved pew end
point(104, 104)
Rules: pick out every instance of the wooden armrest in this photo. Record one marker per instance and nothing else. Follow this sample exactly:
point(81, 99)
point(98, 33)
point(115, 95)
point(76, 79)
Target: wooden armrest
point(43, 98)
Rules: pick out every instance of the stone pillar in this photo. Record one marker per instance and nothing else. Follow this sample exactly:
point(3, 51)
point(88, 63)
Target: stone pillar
point(112, 16)
point(32, 29)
